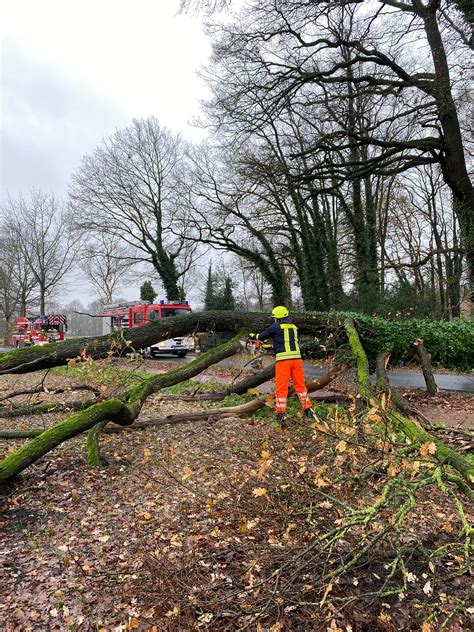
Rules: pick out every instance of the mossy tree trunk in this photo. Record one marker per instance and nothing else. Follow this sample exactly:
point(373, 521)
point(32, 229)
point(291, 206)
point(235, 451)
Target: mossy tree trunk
point(128, 340)
point(363, 371)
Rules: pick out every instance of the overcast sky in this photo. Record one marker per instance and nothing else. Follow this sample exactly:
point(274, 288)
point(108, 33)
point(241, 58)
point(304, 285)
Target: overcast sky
point(72, 71)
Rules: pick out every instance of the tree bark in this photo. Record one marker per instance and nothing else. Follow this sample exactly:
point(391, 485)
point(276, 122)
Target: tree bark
point(53, 391)
point(425, 362)
point(93, 445)
point(383, 384)
point(45, 407)
point(454, 162)
point(363, 371)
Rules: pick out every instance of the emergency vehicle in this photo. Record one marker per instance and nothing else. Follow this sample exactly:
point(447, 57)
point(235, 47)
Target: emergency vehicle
point(39, 330)
point(138, 313)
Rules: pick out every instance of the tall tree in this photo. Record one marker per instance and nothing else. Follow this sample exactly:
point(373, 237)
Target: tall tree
point(130, 188)
point(330, 58)
point(222, 214)
point(210, 295)
point(42, 226)
point(228, 299)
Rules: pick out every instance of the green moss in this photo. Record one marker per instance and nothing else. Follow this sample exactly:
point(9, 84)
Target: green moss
point(113, 410)
point(27, 353)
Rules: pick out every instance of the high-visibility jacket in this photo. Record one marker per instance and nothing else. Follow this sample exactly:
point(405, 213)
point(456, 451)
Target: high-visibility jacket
point(285, 339)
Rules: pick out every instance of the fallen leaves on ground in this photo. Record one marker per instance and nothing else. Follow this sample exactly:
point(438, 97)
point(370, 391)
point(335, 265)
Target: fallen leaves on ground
point(186, 524)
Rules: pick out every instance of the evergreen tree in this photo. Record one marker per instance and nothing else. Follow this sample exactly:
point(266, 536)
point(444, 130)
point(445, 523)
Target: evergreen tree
point(227, 300)
point(210, 298)
point(147, 293)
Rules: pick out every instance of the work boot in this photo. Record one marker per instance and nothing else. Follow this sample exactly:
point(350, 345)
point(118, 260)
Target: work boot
point(281, 420)
point(310, 414)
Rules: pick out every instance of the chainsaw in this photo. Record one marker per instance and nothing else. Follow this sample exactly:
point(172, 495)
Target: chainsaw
point(256, 348)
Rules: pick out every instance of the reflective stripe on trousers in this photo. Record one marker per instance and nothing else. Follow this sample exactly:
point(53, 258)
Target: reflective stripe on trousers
point(284, 371)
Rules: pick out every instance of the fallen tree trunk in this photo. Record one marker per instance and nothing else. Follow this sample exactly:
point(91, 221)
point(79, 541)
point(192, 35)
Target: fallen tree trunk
point(444, 454)
point(122, 411)
point(126, 341)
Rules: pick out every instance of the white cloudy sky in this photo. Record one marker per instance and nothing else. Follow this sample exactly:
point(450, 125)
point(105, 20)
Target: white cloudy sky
point(74, 70)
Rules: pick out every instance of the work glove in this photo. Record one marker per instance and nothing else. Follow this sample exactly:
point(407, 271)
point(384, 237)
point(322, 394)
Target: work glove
point(252, 336)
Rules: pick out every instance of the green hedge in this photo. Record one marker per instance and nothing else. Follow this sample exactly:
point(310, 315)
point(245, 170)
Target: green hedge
point(450, 343)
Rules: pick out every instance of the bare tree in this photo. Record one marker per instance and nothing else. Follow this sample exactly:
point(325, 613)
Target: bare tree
point(107, 265)
point(130, 188)
point(49, 243)
point(9, 291)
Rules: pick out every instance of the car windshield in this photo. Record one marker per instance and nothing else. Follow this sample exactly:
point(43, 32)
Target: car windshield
point(175, 311)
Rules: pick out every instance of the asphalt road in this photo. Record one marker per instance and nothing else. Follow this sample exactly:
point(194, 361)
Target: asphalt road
point(400, 379)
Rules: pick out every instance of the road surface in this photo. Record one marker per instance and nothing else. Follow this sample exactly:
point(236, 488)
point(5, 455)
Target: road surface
point(401, 379)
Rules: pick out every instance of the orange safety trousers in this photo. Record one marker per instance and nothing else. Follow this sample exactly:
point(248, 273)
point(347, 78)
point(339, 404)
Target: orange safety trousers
point(284, 371)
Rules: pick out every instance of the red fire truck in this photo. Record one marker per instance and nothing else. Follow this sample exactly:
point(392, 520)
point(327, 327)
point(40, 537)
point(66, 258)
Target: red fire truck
point(39, 330)
point(138, 313)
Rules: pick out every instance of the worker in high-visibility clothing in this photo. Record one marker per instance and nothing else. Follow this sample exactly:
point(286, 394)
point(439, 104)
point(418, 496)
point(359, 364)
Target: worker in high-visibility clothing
point(289, 364)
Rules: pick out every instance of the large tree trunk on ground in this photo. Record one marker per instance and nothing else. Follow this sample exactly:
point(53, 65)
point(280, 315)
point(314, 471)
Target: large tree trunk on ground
point(122, 411)
point(118, 343)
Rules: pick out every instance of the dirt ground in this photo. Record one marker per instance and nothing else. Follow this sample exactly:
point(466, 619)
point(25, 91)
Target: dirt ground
point(178, 529)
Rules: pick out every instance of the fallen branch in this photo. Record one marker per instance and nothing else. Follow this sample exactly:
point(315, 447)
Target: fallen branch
point(123, 410)
point(50, 391)
point(236, 411)
point(46, 407)
point(93, 446)
point(444, 454)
